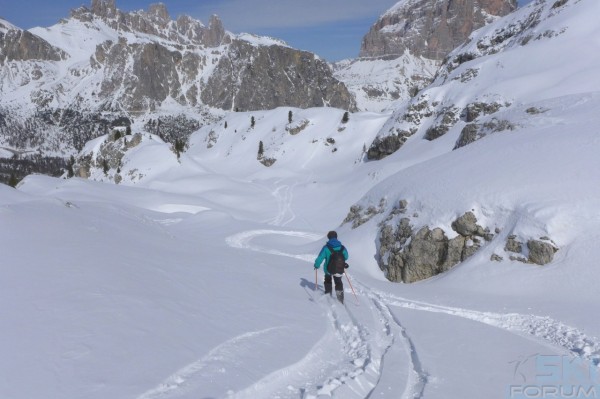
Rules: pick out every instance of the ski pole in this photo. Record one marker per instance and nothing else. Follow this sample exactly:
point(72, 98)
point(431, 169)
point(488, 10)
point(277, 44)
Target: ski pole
point(316, 280)
point(351, 287)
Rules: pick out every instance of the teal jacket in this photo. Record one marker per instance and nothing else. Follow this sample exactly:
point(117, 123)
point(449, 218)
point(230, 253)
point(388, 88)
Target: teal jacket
point(325, 254)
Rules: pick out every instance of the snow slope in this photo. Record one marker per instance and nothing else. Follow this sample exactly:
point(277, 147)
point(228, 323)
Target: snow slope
point(196, 280)
point(379, 84)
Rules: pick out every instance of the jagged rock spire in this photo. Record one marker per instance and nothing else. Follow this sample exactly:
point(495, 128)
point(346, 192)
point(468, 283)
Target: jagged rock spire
point(159, 10)
point(215, 34)
point(104, 8)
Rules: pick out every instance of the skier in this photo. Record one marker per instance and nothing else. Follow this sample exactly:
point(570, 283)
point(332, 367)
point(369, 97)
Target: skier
point(335, 255)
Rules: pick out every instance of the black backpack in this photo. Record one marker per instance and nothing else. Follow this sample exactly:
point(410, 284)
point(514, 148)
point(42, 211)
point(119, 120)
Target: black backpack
point(337, 261)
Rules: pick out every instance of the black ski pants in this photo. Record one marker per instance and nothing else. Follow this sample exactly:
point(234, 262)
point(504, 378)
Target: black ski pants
point(339, 286)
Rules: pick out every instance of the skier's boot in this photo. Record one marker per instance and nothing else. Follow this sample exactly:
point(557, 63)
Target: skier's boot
point(340, 296)
point(328, 287)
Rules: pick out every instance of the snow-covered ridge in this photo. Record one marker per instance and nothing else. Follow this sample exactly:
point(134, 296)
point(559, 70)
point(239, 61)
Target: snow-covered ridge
point(6, 26)
point(539, 20)
point(261, 40)
point(109, 64)
point(381, 84)
point(180, 280)
point(496, 81)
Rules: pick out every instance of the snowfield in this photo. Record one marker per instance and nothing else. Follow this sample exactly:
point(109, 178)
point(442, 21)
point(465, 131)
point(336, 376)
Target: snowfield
point(193, 277)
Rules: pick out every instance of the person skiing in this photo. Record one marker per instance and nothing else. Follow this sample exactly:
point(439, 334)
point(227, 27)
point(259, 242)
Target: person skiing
point(334, 254)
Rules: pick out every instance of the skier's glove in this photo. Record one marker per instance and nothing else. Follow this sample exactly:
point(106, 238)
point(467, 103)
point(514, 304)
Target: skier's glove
point(346, 265)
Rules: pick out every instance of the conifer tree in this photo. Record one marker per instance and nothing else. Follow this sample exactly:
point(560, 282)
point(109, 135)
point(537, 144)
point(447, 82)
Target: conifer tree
point(290, 116)
point(179, 147)
point(70, 172)
point(261, 150)
point(12, 181)
point(346, 117)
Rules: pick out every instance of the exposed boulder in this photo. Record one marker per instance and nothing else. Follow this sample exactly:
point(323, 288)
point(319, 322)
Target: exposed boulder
point(466, 225)
point(513, 245)
point(540, 252)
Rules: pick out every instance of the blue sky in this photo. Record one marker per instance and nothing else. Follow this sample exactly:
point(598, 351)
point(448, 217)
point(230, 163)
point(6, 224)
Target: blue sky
point(331, 28)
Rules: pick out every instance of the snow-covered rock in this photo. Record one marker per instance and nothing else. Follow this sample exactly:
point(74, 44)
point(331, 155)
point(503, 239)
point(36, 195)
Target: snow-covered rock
point(430, 28)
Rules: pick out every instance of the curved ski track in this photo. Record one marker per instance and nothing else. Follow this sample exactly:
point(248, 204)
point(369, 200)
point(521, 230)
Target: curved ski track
point(366, 335)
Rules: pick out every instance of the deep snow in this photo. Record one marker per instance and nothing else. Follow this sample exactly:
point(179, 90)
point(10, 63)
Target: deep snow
point(193, 278)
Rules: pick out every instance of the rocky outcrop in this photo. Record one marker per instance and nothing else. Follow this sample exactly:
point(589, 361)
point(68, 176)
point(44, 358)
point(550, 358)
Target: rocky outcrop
point(404, 125)
point(264, 77)
point(430, 28)
point(384, 146)
point(474, 131)
point(408, 255)
point(20, 45)
point(156, 21)
point(200, 65)
point(215, 34)
point(539, 252)
point(390, 79)
point(108, 157)
point(358, 216)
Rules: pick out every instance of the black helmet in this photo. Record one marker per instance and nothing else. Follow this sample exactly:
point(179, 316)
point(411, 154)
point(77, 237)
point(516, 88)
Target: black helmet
point(331, 234)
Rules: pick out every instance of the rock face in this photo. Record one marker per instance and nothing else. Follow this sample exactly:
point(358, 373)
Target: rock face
point(430, 28)
point(244, 75)
point(20, 45)
point(408, 256)
point(156, 22)
point(137, 64)
point(260, 77)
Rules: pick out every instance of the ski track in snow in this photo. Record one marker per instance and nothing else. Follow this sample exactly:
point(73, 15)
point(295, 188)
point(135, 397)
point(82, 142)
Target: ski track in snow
point(363, 343)
point(242, 241)
point(214, 364)
point(366, 346)
point(283, 195)
point(551, 332)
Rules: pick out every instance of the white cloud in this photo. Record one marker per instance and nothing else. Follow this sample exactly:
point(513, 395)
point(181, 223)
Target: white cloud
point(250, 15)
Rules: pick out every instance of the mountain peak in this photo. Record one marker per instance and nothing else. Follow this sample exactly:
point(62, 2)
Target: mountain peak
point(159, 11)
point(104, 8)
point(6, 26)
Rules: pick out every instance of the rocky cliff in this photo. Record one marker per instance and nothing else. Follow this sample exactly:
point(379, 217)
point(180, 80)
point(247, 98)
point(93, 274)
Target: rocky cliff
point(20, 45)
point(250, 78)
point(203, 65)
point(430, 28)
point(476, 110)
point(64, 85)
